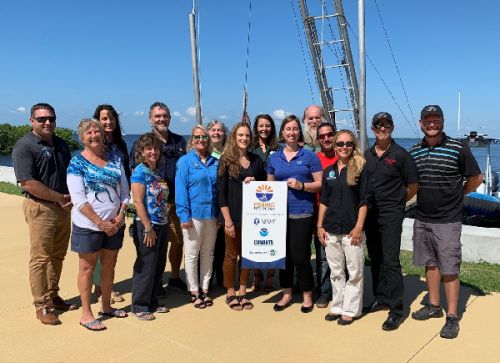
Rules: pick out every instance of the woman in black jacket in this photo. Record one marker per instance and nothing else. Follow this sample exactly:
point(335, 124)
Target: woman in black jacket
point(236, 166)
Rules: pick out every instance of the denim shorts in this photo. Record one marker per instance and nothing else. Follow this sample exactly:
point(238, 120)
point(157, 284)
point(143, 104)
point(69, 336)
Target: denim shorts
point(85, 240)
point(438, 245)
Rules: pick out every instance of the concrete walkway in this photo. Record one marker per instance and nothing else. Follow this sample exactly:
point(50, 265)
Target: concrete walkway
point(218, 334)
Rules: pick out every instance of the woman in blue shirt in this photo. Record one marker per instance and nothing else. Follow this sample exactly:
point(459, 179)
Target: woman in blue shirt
point(197, 208)
point(302, 171)
point(150, 193)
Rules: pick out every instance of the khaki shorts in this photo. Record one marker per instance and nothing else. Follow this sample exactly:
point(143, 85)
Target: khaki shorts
point(174, 225)
point(438, 245)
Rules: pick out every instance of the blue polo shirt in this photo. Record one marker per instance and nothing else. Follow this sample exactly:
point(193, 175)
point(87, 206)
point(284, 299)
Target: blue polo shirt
point(196, 188)
point(301, 167)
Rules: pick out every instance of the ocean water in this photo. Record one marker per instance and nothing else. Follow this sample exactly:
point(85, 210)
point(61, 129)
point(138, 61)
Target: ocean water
point(480, 154)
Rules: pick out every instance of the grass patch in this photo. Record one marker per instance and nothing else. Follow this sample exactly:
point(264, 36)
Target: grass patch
point(483, 277)
point(10, 188)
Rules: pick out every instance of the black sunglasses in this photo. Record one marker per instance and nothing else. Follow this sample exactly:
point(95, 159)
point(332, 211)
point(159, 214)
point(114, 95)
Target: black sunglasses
point(44, 119)
point(329, 134)
point(346, 144)
point(198, 137)
point(379, 125)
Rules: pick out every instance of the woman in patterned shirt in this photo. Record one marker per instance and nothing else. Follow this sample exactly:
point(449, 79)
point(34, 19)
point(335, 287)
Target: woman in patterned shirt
point(100, 193)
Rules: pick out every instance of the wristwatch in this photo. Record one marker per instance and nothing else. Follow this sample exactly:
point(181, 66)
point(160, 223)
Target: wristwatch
point(147, 230)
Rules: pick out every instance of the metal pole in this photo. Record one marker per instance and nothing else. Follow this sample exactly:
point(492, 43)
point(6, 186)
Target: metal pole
point(315, 56)
point(194, 58)
point(362, 76)
point(458, 117)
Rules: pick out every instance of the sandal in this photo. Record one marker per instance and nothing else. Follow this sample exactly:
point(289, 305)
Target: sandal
point(198, 305)
point(114, 313)
point(245, 305)
point(94, 325)
point(145, 316)
point(206, 299)
point(115, 297)
point(162, 309)
point(236, 306)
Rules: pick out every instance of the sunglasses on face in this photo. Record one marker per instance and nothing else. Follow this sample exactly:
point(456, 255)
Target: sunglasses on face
point(386, 125)
point(322, 136)
point(346, 144)
point(44, 119)
point(200, 137)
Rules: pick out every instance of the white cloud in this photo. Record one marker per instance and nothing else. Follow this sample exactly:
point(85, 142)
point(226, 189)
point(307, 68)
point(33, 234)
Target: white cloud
point(191, 111)
point(222, 117)
point(343, 121)
point(184, 119)
point(281, 114)
point(139, 113)
point(20, 109)
point(176, 114)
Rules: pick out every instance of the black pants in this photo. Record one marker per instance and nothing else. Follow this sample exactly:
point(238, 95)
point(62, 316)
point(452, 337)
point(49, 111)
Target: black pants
point(148, 268)
point(383, 239)
point(219, 254)
point(298, 254)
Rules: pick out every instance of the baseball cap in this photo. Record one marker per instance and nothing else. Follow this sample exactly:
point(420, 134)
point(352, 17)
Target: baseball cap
point(431, 110)
point(382, 116)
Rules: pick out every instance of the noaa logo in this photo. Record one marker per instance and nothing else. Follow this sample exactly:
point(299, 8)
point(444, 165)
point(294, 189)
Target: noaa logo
point(264, 193)
point(331, 175)
point(299, 162)
point(256, 221)
point(263, 232)
point(431, 109)
point(272, 252)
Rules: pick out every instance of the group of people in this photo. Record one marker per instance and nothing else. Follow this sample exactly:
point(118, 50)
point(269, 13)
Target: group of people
point(189, 193)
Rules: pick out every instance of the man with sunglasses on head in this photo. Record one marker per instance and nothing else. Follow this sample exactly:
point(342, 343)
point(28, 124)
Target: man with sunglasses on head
point(40, 160)
point(325, 134)
point(174, 146)
point(393, 181)
point(447, 171)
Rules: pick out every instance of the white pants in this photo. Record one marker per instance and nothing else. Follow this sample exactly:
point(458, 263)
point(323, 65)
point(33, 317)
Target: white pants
point(347, 297)
point(199, 241)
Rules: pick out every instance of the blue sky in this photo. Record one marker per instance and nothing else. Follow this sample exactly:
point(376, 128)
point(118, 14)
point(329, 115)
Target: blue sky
point(76, 55)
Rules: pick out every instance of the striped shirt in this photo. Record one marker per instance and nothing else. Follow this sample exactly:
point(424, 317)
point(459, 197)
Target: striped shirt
point(442, 170)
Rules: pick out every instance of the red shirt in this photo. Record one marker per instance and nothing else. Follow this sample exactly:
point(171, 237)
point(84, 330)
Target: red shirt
point(326, 161)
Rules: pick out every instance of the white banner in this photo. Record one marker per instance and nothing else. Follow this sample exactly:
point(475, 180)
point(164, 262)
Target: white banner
point(263, 229)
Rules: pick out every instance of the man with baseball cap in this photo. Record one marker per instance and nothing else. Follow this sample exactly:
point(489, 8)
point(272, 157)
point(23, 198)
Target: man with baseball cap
point(394, 181)
point(443, 164)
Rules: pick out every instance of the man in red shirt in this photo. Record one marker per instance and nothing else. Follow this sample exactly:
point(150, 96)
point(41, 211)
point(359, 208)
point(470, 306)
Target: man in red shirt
point(325, 134)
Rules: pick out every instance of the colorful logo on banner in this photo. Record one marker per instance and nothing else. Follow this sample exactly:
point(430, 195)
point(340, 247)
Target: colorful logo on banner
point(263, 232)
point(264, 193)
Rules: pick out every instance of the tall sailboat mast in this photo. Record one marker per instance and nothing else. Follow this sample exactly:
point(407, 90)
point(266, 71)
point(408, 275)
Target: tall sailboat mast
point(362, 76)
point(194, 58)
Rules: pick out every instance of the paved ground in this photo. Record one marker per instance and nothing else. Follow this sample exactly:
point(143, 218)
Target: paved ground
point(218, 334)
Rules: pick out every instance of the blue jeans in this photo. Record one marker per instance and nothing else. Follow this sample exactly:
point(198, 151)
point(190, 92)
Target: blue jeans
point(323, 282)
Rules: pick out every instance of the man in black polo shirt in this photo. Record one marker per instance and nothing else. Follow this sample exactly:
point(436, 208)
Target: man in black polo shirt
point(40, 161)
point(174, 146)
point(393, 180)
point(443, 165)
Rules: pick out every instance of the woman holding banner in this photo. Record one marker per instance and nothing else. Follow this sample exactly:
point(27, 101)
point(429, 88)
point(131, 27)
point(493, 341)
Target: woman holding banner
point(302, 171)
point(237, 166)
point(341, 216)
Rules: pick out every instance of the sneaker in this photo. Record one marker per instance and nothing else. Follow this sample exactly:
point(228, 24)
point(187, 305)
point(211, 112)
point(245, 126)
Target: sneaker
point(450, 328)
point(428, 311)
point(322, 301)
point(177, 284)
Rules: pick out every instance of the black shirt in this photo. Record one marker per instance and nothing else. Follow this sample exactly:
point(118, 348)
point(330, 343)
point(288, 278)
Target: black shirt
point(442, 170)
point(389, 175)
point(35, 159)
point(231, 189)
point(171, 152)
point(342, 201)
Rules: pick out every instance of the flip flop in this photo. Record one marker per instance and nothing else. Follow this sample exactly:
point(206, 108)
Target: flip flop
point(91, 325)
point(115, 313)
point(236, 306)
